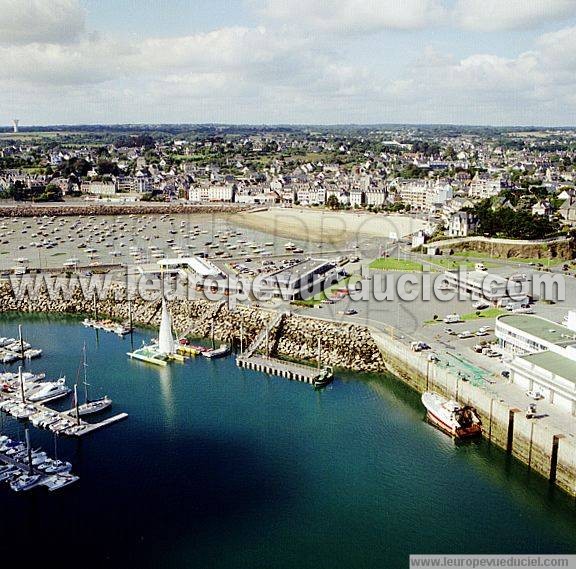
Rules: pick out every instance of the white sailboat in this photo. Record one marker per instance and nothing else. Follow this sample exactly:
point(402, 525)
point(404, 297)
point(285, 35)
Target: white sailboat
point(166, 342)
point(90, 406)
point(165, 349)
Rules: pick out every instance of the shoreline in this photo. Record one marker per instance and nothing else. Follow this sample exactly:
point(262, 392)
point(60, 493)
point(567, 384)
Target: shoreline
point(319, 225)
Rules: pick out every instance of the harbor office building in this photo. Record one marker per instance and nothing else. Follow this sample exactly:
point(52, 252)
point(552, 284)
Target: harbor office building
point(302, 280)
point(491, 287)
point(543, 357)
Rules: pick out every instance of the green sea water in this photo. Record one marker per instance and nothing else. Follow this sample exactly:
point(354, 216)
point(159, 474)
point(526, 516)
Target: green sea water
point(219, 467)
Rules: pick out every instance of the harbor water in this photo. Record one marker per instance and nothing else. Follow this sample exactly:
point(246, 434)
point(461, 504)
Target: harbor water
point(221, 467)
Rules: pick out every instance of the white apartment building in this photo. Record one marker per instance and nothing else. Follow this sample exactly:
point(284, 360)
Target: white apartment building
point(211, 193)
point(483, 186)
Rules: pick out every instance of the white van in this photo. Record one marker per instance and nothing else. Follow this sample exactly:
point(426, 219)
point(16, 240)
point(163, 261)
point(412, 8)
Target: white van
point(452, 319)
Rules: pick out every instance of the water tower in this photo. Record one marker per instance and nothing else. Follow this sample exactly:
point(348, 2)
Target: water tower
point(15, 124)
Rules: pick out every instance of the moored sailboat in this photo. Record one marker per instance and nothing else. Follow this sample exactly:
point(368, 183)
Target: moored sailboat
point(90, 406)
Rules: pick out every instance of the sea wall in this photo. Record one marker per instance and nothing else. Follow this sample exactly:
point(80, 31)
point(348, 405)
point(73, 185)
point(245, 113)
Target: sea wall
point(343, 345)
point(80, 209)
point(547, 452)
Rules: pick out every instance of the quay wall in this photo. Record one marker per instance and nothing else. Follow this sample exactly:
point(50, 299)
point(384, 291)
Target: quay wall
point(346, 346)
point(529, 440)
point(343, 345)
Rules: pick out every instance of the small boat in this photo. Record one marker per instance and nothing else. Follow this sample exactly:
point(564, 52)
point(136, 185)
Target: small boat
point(59, 481)
point(51, 390)
point(220, 352)
point(450, 417)
point(25, 482)
point(32, 353)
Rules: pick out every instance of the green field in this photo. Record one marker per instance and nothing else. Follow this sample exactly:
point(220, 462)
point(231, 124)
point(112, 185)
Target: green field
point(488, 313)
point(387, 264)
point(453, 264)
point(317, 299)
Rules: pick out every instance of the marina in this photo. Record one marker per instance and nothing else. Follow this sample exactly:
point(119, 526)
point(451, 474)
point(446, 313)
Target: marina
point(210, 444)
point(25, 469)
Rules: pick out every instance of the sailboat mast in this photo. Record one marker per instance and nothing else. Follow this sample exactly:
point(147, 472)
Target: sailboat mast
point(85, 381)
point(21, 341)
point(21, 383)
point(76, 403)
point(29, 449)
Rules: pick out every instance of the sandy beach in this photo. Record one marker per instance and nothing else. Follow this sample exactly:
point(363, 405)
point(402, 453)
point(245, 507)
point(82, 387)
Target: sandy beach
point(328, 226)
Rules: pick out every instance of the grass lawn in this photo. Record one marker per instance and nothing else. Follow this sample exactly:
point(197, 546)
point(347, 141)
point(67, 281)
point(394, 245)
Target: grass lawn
point(317, 299)
point(488, 313)
point(453, 263)
point(387, 264)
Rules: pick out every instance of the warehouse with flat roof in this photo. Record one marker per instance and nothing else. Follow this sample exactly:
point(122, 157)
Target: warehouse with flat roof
point(543, 357)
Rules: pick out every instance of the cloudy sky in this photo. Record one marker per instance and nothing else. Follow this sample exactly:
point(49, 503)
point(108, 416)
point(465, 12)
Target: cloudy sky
point(288, 61)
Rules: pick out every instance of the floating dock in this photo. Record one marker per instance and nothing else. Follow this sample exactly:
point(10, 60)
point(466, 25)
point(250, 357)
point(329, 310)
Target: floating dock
point(316, 376)
point(77, 428)
point(290, 370)
point(46, 480)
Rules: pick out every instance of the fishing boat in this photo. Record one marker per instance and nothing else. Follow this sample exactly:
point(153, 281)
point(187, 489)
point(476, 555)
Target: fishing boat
point(452, 418)
point(90, 406)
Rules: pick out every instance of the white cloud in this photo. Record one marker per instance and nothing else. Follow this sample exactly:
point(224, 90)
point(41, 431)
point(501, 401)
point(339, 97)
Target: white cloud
point(43, 21)
point(282, 73)
point(493, 15)
point(353, 16)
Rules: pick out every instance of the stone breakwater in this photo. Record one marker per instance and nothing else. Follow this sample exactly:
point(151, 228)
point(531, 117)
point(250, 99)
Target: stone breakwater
point(27, 210)
point(345, 346)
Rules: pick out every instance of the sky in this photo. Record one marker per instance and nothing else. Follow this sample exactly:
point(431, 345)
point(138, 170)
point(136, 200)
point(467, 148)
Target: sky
point(488, 62)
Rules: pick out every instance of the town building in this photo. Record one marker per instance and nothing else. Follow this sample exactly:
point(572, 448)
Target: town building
point(543, 357)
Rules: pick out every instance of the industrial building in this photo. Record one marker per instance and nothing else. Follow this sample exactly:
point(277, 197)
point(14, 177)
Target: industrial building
point(543, 357)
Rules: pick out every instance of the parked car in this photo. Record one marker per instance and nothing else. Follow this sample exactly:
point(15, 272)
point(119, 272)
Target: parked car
point(505, 373)
point(350, 311)
point(535, 394)
point(452, 319)
point(449, 331)
point(465, 334)
point(432, 357)
point(480, 305)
